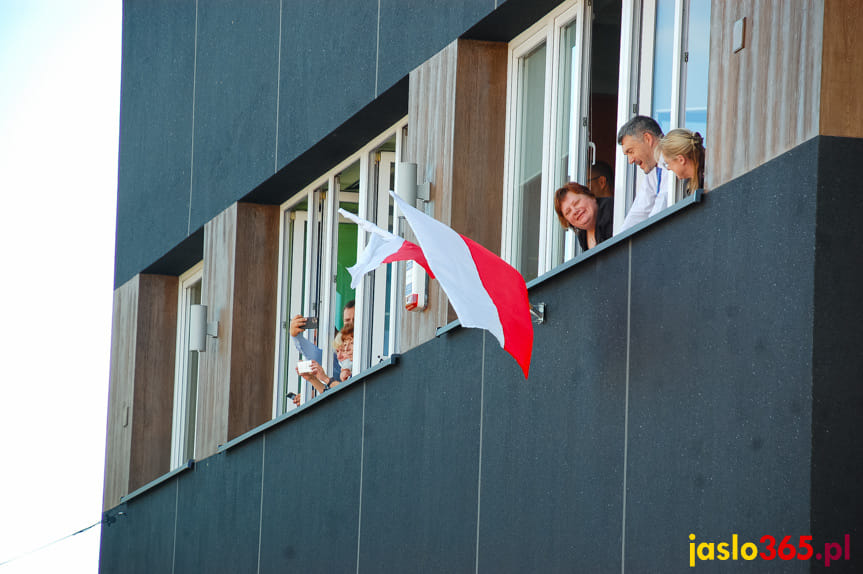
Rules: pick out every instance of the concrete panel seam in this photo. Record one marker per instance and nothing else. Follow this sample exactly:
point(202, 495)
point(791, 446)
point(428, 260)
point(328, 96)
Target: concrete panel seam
point(377, 49)
point(626, 409)
point(362, 455)
point(479, 470)
point(278, 88)
point(174, 537)
point(261, 513)
point(192, 153)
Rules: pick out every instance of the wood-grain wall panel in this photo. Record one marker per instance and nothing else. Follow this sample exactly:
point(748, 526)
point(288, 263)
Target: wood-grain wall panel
point(211, 425)
point(457, 110)
point(235, 388)
point(842, 69)
point(431, 109)
point(478, 142)
point(120, 393)
point(253, 341)
point(155, 349)
point(765, 99)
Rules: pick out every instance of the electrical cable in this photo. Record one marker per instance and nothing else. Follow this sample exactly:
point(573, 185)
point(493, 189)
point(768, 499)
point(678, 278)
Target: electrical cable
point(50, 544)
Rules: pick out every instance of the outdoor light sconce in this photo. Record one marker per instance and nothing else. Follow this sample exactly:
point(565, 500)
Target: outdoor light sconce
point(407, 188)
point(200, 328)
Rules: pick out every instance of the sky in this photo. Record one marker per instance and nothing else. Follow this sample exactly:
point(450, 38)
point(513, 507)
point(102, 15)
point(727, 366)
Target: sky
point(59, 128)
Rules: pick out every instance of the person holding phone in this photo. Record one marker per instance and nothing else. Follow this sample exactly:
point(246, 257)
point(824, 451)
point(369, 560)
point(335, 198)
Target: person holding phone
point(317, 376)
point(307, 348)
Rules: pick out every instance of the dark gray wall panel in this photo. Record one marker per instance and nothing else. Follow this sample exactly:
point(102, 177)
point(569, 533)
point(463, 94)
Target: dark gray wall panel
point(327, 70)
point(235, 102)
point(413, 32)
point(141, 540)
point(420, 460)
point(218, 513)
point(720, 370)
point(155, 132)
point(552, 456)
point(312, 488)
point(837, 442)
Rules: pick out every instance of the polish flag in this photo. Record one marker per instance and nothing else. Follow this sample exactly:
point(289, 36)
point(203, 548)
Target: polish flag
point(485, 291)
point(383, 247)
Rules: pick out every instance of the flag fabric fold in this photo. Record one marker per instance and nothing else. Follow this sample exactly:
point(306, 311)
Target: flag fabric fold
point(383, 247)
point(485, 291)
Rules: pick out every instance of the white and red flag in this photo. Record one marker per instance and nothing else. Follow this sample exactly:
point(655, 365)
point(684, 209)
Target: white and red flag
point(383, 247)
point(485, 291)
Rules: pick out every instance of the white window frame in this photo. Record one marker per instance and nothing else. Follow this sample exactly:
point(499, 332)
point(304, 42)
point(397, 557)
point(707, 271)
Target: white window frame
point(635, 95)
point(327, 258)
point(180, 425)
point(547, 31)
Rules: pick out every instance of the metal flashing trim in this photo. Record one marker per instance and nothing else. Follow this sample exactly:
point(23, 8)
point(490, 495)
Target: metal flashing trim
point(389, 361)
point(190, 464)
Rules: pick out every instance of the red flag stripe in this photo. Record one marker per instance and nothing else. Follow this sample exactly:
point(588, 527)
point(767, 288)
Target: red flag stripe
point(410, 251)
point(508, 292)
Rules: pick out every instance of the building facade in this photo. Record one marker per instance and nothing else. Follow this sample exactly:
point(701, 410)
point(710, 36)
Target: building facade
point(697, 374)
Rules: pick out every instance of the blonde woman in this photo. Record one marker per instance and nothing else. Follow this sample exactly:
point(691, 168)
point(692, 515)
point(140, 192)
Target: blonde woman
point(683, 153)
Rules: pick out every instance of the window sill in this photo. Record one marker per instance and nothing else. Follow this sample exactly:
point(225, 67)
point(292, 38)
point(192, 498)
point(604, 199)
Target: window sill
point(388, 362)
point(190, 464)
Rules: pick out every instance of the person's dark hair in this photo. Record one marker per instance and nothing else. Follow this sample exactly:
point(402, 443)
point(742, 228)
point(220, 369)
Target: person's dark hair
point(350, 304)
point(637, 126)
point(560, 194)
point(602, 169)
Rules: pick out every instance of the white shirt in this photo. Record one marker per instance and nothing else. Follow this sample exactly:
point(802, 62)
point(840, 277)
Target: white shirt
point(648, 200)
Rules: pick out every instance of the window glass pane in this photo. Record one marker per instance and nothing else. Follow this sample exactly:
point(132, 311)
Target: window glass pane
point(528, 177)
point(378, 304)
point(194, 298)
point(697, 67)
point(663, 60)
point(566, 151)
point(345, 256)
point(566, 98)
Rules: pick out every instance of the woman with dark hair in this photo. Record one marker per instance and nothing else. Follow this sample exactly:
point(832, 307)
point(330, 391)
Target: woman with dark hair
point(592, 218)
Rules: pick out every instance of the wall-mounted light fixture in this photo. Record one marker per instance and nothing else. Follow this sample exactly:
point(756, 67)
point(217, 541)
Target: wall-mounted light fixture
point(200, 328)
point(413, 193)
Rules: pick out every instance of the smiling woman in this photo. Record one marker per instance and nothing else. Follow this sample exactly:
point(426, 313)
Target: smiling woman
point(589, 216)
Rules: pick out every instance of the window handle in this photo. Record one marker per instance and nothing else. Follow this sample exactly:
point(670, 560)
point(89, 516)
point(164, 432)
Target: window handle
point(591, 147)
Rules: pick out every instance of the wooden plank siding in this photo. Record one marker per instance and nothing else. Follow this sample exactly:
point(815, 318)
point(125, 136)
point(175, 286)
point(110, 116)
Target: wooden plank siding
point(842, 69)
point(235, 387)
point(155, 349)
point(120, 389)
point(255, 295)
point(457, 110)
point(765, 99)
point(141, 388)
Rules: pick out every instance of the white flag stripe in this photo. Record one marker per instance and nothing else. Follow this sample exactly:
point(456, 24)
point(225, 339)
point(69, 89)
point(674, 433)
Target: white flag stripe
point(449, 258)
point(368, 225)
point(373, 256)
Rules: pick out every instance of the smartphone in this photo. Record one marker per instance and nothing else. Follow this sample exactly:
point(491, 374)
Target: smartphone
point(291, 395)
point(311, 323)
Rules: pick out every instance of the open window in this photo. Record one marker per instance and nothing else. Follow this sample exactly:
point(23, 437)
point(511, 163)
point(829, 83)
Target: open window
point(186, 371)
point(666, 47)
point(561, 116)
point(318, 246)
